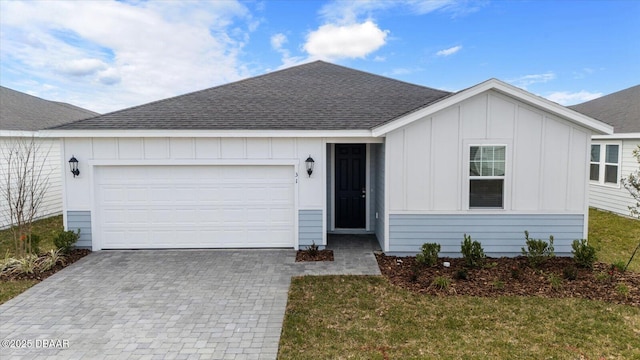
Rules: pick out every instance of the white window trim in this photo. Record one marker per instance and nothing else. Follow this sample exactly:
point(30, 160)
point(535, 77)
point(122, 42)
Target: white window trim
point(508, 171)
point(602, 163)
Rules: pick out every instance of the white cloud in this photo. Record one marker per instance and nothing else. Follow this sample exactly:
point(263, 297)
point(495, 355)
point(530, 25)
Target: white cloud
point(332, 41)
point(449, 51)
point(278, 40)
point(572, 98)
point(112, 55)
point(81, 67)
point(527, 80)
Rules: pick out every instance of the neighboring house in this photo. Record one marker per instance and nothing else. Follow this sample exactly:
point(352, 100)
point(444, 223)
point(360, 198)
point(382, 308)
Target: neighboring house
point(21, 116)
point(612, 155)
point(226, 167)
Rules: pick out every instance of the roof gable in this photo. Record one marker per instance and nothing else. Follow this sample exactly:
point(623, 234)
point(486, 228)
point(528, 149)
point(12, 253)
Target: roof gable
point(502, 87)
point(23, 112)
point(620, 109)
point(312, 96)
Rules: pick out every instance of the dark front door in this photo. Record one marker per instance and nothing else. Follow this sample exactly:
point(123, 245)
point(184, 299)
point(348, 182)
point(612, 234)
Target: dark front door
point(350, 186)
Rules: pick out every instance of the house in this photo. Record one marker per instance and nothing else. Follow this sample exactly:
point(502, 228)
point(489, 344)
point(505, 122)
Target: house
point(226, 167)
point(21, 116)
point(612, 155)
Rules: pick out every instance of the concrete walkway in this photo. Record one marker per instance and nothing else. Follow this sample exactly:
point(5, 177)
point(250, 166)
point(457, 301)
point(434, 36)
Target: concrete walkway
point(191, 304)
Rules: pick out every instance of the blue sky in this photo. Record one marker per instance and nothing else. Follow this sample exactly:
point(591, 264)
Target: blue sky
point(109, 55)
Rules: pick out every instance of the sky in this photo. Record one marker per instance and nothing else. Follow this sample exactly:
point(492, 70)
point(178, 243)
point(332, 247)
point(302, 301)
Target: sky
point(107, 55)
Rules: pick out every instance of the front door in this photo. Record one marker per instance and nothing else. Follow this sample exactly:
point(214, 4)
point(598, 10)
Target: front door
point(350, 186)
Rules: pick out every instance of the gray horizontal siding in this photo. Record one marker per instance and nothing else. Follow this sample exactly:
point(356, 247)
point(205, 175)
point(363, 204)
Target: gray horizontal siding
point(500, 235)
point(309, 227)
point(80, 220)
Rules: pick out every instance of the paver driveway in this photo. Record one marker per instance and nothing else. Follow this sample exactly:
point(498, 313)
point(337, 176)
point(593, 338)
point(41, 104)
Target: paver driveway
point(200, 304)
point(157, 305)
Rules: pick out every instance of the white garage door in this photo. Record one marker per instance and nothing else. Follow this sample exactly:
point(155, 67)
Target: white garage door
point(194, 206)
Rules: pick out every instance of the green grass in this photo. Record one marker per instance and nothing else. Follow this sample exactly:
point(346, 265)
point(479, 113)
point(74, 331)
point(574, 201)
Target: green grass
point(11, 289)
point(615, 237)
point(47, 229)
point(354, 317)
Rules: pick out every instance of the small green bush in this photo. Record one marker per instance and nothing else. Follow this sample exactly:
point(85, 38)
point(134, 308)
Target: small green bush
point(472, 252)
point(555, 281)
point(65, 240)
point(313, 249)
point(583, 254)
point(570, 273)
point(429, 254)
point(461, 274)
point(51, 259)
point(538, 251)
point(441, 282)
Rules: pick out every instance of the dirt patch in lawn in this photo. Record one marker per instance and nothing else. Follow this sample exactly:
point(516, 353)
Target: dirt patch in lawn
point(320, 255)
point(513, 277)
point(69, 259)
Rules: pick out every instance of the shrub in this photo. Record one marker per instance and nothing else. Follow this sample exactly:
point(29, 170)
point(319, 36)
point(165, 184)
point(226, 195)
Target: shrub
point(583, 254)
point(538, 251)
point(27, 265)
point(461, 275)
point(570, 273)
point(429, 254)
point(472, 252)
point(441, 282)
point(65, 240)
point(313, 249)
point(51, 259)
point(555, 281)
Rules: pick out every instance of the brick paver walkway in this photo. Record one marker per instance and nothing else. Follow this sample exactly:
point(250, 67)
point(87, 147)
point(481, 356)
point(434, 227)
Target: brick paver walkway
point(173, 304)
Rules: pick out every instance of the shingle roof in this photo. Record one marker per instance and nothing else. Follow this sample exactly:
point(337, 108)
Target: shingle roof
point(23, 112)
point(620, 110)
point(313, 96)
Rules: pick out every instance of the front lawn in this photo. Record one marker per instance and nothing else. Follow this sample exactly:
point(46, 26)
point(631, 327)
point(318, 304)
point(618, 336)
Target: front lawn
point(356, 317)
point(615, 236)
point(47, 229)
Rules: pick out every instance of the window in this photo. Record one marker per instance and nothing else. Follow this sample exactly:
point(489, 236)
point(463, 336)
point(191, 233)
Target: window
point(486, 176)
point(604, 169)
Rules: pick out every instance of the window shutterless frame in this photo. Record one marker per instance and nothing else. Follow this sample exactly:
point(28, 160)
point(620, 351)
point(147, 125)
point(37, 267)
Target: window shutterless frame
point(604, 166)
point(487, 168)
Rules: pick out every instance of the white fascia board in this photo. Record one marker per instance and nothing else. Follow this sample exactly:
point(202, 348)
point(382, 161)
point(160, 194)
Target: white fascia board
point(623, 136)
point(207, 133)
point(509, 90)
point(18, 133)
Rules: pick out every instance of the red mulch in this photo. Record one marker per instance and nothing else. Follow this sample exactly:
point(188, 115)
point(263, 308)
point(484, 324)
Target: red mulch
point(73, 256)
point(514, 277)
point(321, 255)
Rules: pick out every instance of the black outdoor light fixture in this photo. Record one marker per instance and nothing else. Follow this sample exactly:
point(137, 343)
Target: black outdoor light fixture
point(309, 162)
point(73, 165)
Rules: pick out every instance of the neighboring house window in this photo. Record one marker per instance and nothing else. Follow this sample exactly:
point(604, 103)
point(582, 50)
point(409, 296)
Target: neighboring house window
point(605, 163)
point(486, 176)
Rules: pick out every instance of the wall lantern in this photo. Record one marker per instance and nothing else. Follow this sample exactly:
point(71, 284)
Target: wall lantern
point(73, 165)
point(309, 162)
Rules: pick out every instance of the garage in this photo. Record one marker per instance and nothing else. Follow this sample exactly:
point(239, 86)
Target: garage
point(214, 206)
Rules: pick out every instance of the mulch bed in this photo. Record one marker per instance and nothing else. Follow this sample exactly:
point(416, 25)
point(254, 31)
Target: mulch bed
point(73, 256)
point(514, 277)
point(321, 255)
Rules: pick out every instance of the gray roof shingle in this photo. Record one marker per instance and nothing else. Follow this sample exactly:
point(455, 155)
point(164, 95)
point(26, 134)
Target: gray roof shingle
point(23, 112)
point(620, 110)
point(313, 96)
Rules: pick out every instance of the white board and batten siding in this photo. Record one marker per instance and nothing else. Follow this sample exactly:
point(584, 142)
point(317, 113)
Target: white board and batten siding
point(195, 192)
point(47, 158)
point(545, 179)
point(610, 197)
